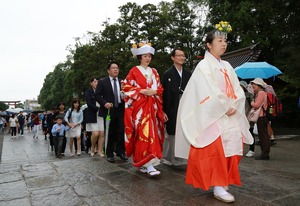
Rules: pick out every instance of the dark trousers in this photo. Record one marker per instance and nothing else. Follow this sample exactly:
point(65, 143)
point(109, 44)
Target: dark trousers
point(58, 144)
point(13, 131)
point(21, 129)
point(64, 144)
point(82, 141)
point(252, 146)
point(116, 134)
point(88, 142)
point(45, 131)
point(51, 138)
point(51, 135)
point(265, 143)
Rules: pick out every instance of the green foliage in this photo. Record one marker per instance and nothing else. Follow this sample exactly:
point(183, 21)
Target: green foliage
point(3, 106)
point(53, 90)
point(20, 105)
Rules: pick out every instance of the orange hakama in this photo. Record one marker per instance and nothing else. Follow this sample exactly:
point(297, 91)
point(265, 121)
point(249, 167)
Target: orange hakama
point(208, 166)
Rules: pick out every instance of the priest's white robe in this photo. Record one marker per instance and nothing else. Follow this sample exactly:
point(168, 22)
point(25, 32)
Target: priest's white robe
point(202, 118)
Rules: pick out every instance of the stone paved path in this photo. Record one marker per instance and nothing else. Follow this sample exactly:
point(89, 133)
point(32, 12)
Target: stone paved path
point(30, 175)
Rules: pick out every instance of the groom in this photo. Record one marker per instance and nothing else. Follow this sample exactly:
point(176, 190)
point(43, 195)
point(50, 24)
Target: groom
point(108, 95)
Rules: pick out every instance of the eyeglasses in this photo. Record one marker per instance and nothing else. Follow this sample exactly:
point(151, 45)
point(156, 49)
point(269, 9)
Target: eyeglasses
point(179, 55)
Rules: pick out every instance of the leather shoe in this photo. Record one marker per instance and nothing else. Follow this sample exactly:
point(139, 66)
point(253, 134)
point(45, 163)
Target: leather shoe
point(123, 157)
point(111, 159)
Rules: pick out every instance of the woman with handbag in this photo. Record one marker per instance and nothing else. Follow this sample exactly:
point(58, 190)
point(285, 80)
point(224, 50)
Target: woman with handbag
point(260, 100)
point(248, 100)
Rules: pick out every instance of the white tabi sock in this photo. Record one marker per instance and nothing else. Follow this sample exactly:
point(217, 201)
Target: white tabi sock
point(219, 190)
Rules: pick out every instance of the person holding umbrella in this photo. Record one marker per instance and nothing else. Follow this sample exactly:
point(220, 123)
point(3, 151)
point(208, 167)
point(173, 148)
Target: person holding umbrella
point(260, 100)
point(108, 95)
point(144, 121)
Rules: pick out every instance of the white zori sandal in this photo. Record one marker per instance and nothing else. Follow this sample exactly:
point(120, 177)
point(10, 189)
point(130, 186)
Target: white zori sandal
point(221, 194)
point(152, 172)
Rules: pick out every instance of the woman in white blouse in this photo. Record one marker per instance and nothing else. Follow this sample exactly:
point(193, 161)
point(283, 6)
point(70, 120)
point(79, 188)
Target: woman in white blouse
point(73, 119)
point(13, 120)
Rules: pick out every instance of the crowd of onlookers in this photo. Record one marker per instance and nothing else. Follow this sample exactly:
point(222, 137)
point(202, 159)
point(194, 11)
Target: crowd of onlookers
point(42, 122)
point(13, 123)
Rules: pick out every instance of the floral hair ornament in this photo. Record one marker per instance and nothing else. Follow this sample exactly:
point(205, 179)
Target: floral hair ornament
point(142, 48)
point(223, 28)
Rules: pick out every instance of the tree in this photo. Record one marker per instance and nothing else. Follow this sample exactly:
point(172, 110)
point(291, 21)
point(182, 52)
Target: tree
point(53, 91)
point(3, 106)
point(181, 23)
point(20, 105)
point(166, 26)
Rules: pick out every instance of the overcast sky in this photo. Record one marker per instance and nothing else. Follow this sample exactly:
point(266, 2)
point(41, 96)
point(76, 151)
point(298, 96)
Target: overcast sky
point(34, 35)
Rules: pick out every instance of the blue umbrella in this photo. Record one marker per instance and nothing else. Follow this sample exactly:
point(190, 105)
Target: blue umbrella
point(252, 70)
point(3, 113)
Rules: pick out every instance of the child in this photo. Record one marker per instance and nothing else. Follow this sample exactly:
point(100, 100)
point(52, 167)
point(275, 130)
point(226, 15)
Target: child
point(58, 131)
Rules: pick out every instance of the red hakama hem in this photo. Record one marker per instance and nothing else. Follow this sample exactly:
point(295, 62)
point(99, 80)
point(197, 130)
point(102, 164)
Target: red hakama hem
point(208, 166)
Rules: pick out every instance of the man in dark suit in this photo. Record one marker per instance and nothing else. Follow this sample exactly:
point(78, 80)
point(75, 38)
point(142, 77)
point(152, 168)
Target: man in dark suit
point(108, 94)
point(174, 82)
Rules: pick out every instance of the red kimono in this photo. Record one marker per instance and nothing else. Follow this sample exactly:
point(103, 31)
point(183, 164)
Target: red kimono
point(143, 119)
